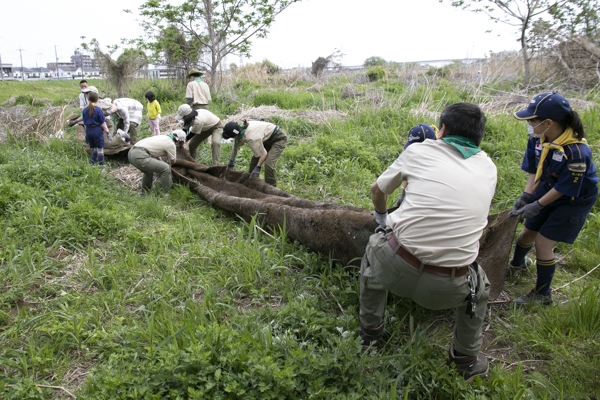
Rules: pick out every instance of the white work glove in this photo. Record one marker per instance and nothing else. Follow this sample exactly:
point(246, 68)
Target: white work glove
point(381, 219)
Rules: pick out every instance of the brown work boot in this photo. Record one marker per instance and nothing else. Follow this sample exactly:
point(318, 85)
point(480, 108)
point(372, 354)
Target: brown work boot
point(469, 366)
point(372, 337)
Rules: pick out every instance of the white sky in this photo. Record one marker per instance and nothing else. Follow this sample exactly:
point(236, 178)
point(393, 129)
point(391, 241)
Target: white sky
point(397, 30)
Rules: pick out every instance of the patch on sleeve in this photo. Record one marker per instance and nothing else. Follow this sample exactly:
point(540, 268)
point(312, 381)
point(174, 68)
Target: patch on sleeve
point(577, 167)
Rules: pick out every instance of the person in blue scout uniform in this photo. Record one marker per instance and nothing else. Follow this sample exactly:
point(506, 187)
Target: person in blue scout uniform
point(561, 189)
point(95, 125)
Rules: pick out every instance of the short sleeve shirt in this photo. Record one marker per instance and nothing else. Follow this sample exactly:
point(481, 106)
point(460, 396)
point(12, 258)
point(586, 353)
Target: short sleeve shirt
point(446, 204)
point(199, 92)
point(567, 172)
point(256, 133)
point(204, 121)
point(95, 120)
point(159, 146)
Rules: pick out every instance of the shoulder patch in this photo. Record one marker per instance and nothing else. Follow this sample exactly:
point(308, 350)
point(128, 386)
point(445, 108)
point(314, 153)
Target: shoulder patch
point(577, 167)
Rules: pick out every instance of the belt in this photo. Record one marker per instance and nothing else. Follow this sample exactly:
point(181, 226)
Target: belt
point(91, 126)
point(430, 269)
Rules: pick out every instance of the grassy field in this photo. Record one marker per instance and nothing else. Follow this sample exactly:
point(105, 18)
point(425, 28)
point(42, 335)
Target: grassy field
point(106, 294)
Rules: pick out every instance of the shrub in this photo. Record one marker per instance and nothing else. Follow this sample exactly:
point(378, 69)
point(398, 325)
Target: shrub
point(270, 67)
point(374, 62)
point(26, 100)
point(376, 73)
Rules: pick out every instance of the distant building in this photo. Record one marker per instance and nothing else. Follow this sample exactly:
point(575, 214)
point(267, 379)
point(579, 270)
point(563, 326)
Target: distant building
point(157, 72)
point(83, 61)
point(7, 71)
point(60, 64)
point(69, 73)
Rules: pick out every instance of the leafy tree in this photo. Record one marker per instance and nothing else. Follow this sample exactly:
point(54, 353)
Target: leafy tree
point(176, 49)
point(119, 73)
point(518, 13)
point(578, 18)
point(374, 62)
point(214, 27)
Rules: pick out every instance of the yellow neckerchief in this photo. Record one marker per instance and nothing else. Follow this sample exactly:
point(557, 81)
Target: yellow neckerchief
point(566, 138)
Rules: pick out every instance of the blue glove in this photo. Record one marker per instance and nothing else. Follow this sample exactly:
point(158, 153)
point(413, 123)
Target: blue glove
point(529, 210)
point(255, 173)
point(522, 201)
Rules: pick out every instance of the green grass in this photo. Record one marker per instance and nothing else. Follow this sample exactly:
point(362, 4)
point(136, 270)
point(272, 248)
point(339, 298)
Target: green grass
point(112, 296)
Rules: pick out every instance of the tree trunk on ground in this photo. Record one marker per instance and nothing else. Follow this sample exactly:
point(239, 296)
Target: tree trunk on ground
point(341, 232)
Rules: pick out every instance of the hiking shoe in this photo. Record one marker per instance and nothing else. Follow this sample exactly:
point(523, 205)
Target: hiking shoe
point(371, 337)
point(532, 297)
point(514, 270)
point(469, 367)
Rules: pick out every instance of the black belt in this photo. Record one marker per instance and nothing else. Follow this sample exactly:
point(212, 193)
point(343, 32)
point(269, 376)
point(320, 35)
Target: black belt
point(91, 126)
point(430, 269)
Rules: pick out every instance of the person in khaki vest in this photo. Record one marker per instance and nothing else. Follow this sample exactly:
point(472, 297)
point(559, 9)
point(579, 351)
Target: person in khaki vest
point(200, 124)
point(197, 92)
point(156, 155)
point(267, 142)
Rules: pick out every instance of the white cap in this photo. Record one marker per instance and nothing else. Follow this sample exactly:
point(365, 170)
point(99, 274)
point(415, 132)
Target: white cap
point(182, 111)
point(179, 134)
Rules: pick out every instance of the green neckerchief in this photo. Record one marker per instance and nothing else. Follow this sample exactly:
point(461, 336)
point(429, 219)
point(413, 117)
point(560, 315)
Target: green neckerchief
point(236, 141)
point(197, 79)
point(466, 146)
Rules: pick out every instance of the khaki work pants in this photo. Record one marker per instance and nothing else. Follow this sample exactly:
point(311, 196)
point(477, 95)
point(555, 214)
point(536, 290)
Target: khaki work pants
point(142, 160)
point(382, 270)
point(216, 134)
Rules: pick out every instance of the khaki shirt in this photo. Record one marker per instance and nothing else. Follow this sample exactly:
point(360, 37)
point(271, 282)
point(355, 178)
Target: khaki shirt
point(204, 121)
point(199, 92)
point(446, 205)
point(159, 146)
point(256, 133)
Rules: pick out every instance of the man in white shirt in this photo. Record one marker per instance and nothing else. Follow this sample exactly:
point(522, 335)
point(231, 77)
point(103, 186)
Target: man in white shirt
point(129, 116)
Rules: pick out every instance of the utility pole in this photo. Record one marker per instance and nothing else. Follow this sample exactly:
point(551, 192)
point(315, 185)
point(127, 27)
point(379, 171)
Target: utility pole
point(81, 60)
point(1, 68)
point(22, 70)
point(56, 64)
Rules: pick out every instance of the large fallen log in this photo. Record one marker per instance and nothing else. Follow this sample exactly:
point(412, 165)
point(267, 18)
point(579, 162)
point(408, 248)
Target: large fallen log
point(341, 232)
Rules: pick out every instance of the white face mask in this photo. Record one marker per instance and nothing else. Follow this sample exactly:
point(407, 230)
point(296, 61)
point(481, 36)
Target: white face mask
point(530, 130)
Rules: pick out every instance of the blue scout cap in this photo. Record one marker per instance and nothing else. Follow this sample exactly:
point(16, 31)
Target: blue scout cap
point(550, 105)
point(419, 133)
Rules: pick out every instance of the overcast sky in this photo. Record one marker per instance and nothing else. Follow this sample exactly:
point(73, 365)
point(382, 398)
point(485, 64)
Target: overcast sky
point(397, 30)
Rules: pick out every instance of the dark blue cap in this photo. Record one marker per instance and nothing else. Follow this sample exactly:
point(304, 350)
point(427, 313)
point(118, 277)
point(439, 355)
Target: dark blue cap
point(419, 133)
point(550, 105)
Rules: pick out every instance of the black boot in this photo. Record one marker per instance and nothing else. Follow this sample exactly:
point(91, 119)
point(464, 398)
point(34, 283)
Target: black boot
point(469, 366)
point(372, 337)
